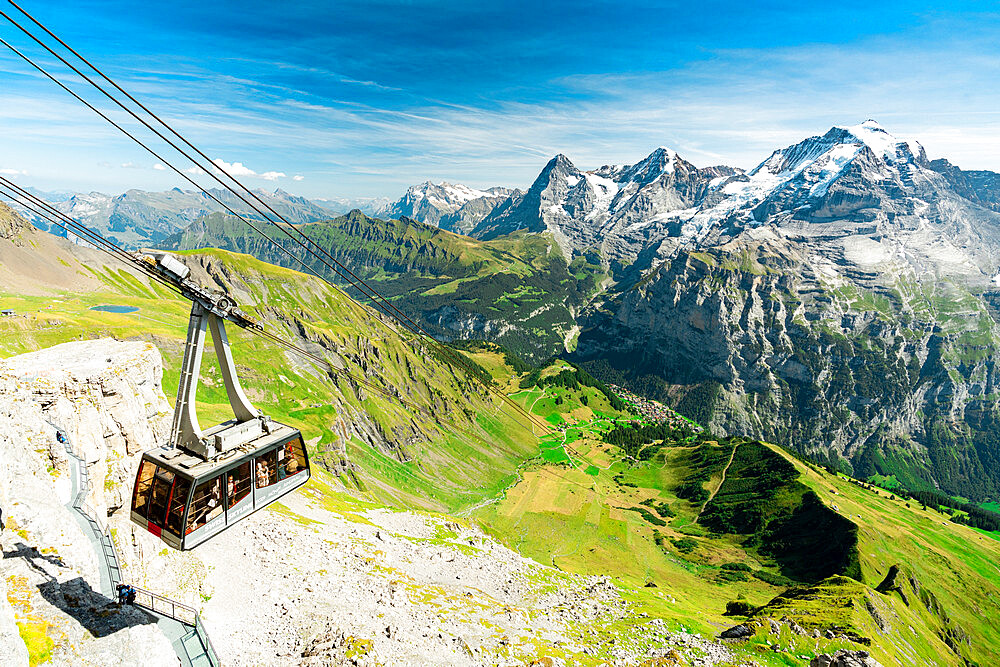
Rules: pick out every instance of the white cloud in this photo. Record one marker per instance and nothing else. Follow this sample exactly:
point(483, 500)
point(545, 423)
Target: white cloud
point(159, 167)
point(272, 175)
point(197, 171)
point(298, 177)
point(234, 169)
point(13, 172)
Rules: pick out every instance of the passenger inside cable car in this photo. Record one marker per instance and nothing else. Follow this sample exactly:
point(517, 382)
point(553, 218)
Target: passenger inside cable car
point(163, 501)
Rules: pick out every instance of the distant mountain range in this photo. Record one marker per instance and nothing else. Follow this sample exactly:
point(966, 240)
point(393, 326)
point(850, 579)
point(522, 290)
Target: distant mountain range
point(456, 208)
point(841, 297)
point(138, 218)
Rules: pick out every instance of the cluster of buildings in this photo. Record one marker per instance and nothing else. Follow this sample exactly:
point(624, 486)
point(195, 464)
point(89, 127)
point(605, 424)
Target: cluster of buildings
point(653, 410)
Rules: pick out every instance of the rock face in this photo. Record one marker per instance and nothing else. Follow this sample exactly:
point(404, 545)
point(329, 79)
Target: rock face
point(844, 658)
point(105, 395)
point(736, 632)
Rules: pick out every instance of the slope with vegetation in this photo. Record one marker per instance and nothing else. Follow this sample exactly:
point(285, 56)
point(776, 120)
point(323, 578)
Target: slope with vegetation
point(684, 522)
point(518, 291)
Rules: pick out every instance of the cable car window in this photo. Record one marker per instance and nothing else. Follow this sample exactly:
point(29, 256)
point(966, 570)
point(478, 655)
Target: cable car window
point(238, 484)
point(291, 458)
point(267, 469)
point(163, 480)
point(178, 499)
point(206, 503)
point(140, 498)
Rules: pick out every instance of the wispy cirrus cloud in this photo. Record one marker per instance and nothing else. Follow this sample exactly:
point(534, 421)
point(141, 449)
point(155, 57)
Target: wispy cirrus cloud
point(313, 97)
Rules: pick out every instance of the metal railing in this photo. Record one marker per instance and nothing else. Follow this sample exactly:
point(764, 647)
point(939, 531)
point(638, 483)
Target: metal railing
point(165, 606)
point(202, 633)
point(148, 600)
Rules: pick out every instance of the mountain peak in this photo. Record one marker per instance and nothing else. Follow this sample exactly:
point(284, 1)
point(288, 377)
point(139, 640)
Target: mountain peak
point(562, 161)
point(882, 142)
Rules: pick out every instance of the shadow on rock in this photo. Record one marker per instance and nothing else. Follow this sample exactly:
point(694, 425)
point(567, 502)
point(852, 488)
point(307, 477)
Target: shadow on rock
point(31, 554)
point(99, 615)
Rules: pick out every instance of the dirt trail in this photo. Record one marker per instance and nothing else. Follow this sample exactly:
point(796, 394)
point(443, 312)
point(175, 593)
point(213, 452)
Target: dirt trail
point(721, 482)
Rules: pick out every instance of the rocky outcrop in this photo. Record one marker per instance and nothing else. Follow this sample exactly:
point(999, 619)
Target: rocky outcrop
point(105, 395)
point(845, 658)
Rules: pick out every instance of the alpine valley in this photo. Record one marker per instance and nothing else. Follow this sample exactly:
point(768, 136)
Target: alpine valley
point(840, 298)
point(764, 427)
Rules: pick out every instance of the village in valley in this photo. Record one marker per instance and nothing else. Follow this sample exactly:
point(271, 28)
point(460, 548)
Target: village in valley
point(652, 410)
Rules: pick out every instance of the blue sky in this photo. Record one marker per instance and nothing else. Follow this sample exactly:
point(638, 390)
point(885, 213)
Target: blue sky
point(362, 99)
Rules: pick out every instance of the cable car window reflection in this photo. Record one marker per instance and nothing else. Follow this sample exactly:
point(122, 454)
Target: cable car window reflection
point(162, 482)
point(238, 484)
point(206, 503)
point(291, 459)
point(178, 499)
point(267, 469)
point(140, 498)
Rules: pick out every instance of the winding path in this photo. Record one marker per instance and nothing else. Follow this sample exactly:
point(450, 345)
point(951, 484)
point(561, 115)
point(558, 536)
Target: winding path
point(188, 637)
point(721, 482)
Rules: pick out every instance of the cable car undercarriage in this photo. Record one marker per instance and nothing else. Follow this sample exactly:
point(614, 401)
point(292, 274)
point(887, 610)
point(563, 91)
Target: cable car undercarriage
point(202, 482)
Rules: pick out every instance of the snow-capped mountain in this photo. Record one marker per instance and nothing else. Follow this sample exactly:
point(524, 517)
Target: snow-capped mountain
point(454, 207)
point(616, 209)
point(851, 180)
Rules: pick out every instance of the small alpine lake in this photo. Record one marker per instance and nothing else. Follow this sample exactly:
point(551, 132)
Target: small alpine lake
point(115, 309)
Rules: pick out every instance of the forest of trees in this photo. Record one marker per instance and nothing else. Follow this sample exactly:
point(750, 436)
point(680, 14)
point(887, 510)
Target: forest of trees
point(633, 438)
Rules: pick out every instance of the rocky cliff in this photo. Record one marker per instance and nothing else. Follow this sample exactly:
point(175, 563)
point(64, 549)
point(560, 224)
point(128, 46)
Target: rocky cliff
point(105, 396)
point(755, 337)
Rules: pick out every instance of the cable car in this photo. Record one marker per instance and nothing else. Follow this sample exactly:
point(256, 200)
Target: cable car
point(202, 482)
point(185, 500)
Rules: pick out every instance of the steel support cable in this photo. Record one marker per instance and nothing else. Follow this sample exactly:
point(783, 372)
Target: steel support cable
point(117, 252)
point(375, 297)
point(46, 211)
point(452, 356)
point(357, 280)
point(37, 205)
point(209, 165)
point(207, 168)
point(164, 161)
point(77, 229)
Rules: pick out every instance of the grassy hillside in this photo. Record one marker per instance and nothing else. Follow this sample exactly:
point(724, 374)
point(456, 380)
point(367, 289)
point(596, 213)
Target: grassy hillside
point(461, 447)
point(700, 531)
point(518, 289)
point(777, 535)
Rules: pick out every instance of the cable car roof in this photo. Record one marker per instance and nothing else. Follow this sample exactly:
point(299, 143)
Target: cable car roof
point(189, 465)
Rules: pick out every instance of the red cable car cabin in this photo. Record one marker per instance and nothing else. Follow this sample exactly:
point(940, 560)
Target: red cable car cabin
point(184, 500)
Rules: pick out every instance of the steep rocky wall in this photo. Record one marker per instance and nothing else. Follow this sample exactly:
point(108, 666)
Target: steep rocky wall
point(757, 340)
point(105, 396)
